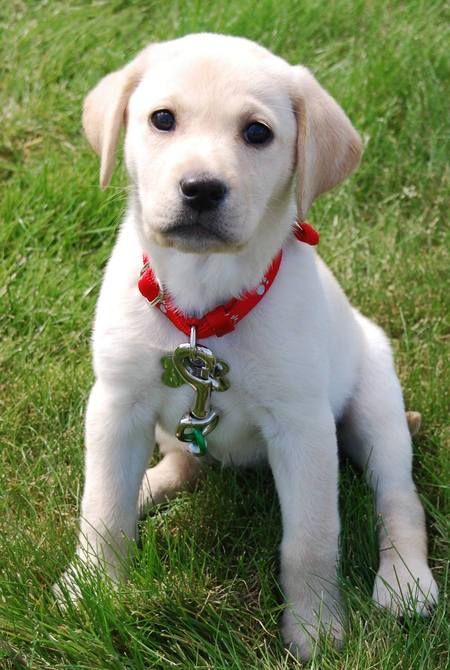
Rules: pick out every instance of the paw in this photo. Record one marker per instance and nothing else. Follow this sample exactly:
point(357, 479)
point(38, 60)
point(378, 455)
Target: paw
point(86, 573)
point(67, 589)
point(414, 420)
point(403, 588)
point(177, 471)
point(302, 628)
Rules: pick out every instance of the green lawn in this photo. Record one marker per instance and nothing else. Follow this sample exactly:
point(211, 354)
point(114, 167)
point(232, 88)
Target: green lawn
point(203, 591)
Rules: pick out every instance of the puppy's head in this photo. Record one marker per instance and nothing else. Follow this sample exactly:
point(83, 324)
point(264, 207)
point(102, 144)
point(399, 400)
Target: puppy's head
point(216, 128)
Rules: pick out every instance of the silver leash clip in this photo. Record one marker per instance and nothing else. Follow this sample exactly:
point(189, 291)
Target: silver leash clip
point(198, 367)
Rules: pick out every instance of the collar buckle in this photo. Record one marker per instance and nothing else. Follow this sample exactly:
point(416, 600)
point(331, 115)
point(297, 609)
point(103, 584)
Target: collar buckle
point(149, 285)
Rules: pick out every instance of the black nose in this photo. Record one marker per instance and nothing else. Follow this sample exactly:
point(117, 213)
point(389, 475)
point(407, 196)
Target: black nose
point(202, 192)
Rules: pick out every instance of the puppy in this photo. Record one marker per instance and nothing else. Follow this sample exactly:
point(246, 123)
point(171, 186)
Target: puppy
point(226, 146)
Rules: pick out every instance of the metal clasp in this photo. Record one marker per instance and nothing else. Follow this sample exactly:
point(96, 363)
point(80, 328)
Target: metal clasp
point(198, 367)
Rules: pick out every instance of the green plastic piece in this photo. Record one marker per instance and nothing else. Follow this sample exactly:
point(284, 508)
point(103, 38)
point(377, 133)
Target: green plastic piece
point(199, 440)
point(170, 376)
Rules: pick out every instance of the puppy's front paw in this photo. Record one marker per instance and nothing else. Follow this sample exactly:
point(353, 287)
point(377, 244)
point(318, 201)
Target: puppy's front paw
point(67, 588)
point(85, 575)
point(303, 626)
point(401, 588)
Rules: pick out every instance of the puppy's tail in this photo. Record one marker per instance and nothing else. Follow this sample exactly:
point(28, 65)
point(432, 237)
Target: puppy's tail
point(414, 420)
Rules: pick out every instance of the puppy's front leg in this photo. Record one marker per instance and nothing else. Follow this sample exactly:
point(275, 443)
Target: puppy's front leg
point(119, 438)
point(303, 457)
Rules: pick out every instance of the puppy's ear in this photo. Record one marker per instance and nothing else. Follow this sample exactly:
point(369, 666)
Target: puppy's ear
point(104, 112)
point(328, 147)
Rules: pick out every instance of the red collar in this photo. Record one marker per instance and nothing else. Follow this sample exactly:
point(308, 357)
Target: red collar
point(224, 318)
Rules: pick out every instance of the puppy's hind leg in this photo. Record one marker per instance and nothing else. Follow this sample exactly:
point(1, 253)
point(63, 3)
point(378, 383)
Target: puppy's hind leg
point(376, 435)
point(177, 471)
point(414, 421)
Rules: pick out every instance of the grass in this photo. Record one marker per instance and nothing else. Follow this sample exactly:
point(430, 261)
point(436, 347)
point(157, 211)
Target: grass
point(203, 590)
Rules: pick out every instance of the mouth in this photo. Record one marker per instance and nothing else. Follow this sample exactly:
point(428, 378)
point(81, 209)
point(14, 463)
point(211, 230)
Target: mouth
point(195, 232)
point(192, 235)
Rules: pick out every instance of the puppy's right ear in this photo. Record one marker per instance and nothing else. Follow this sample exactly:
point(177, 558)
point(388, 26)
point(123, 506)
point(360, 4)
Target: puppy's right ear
point(328, 147)
point(104, 110)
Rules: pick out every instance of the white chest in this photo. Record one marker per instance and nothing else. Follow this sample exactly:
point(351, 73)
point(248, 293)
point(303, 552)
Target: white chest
point(236, 438)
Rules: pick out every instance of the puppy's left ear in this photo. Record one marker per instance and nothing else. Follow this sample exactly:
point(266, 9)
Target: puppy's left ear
point(104, 111)
point(328, 147)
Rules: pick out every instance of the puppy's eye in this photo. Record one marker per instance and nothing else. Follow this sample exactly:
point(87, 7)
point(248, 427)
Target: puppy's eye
point(257, 133)
point(163, 120)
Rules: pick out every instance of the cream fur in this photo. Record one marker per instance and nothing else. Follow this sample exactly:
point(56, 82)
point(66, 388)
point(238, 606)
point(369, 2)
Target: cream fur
point(301, 361)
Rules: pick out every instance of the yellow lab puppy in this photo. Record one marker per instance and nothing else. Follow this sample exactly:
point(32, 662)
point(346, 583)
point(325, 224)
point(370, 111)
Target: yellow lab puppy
point(226, 146)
